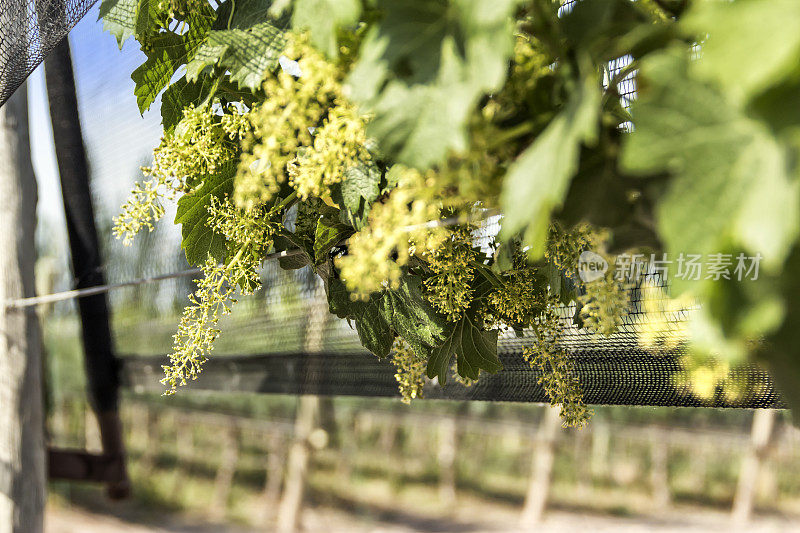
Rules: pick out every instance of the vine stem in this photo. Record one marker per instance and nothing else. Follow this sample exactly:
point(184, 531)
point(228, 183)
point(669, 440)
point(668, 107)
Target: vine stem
point(238, 256)
point(286, 201)
point(232, 264)
point(510, 134)
point(230, 17)
point(212, 92)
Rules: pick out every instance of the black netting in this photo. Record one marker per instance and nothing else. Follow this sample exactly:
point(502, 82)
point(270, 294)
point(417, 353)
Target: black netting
point(284, 340)
point(631, 377)
point(29, 29)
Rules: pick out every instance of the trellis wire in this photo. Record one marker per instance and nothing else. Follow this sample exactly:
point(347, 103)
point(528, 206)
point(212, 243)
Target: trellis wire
point(101, 289)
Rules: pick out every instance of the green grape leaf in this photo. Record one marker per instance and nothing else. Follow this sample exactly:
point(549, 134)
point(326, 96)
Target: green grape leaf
point(246, 13)
point(475, 350)
point(424, 67)
point(538, 180)
point(596, 27)
point(598, 193)
point(412, 35)
point(779, 105)
point(182, 93)
point(410, 315)
point(391, 178)
point(154, 74)
point(339, 300)
point(166, 52)
point(322, 18)
point(371, 70)
point(488, 30)
point(287, 240)
point(249, 54)
point(147, 15)
point(746, 46)
point(412, 32)
point(119, 18)
point(199, 240)
point(294, 262)
point(372, 327)
point(355, 194)
point(730, 186)
point(503, 256)
point(560, 286)
point(486, 275)
point(420, 124)
point(553, 276)
point(403, 311)
point(178, 96)
point(329, 233)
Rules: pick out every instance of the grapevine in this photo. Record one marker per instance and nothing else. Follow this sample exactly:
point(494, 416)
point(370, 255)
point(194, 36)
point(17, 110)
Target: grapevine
point(395, 150)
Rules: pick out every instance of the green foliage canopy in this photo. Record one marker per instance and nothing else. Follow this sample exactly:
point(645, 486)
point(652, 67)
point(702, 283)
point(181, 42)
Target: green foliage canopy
point(400, 113)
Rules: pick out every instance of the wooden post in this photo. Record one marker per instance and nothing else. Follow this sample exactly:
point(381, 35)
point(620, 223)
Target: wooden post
point(276, 456)
point(229, 456)
point(768, 483)
point(297, 466)
point(184, 440)
point(140, 423)
point(150, 441)
point(59, 428)
point(760, 439)
point(448, 435)
point(388, 437)
point(348, 448)
point(601, 437)
point(91, 432)
point(698, 462)
point(659, 469)
point(327, 419)
point(541, 468)
point(22, 451)
point(299, 455)
point(184, 446)
point(79, 427)
point(580, 438)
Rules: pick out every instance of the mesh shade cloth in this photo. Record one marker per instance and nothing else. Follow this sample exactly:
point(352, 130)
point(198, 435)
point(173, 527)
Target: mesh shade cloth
point(29, 29)
point(632, 378)
point(284, 340)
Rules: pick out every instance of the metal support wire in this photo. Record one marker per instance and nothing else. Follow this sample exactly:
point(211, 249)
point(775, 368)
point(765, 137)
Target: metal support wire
point(102, 289)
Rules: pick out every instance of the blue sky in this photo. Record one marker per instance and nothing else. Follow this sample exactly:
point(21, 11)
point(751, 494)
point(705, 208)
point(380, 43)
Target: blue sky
point(117, 138)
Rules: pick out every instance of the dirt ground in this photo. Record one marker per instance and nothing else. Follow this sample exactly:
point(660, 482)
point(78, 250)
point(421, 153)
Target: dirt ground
point(80, 520)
